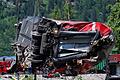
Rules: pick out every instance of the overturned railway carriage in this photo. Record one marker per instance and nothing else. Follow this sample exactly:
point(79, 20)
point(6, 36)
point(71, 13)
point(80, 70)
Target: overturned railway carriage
point(64, 47)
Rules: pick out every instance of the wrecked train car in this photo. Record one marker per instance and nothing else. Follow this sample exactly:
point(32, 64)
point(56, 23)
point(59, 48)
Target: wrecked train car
point(64, 47)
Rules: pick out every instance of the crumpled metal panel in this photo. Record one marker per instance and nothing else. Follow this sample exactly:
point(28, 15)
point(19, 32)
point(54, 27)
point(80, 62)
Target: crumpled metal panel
point(26, 31)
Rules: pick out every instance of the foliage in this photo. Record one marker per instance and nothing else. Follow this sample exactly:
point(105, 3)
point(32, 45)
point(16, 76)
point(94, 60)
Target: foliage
point(7, 30)
point(6, 34)
point(56, 13)
point(114, 21)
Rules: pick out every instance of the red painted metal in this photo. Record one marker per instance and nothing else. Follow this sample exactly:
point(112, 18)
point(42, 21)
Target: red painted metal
point(88, 26)
point(4, 66)
point(114, 58)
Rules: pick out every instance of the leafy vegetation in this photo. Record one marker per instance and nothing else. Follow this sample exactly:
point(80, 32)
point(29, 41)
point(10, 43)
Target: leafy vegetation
point(85, 10)
point(7, 31)
point(114, 21)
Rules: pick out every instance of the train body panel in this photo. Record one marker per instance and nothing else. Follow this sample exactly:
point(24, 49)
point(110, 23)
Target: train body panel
point(74, 46)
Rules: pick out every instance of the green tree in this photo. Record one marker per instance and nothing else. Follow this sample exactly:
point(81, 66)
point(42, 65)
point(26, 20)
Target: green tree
point(114, 21)
point(56, 14)
point(68, 10)
point(7, 30)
